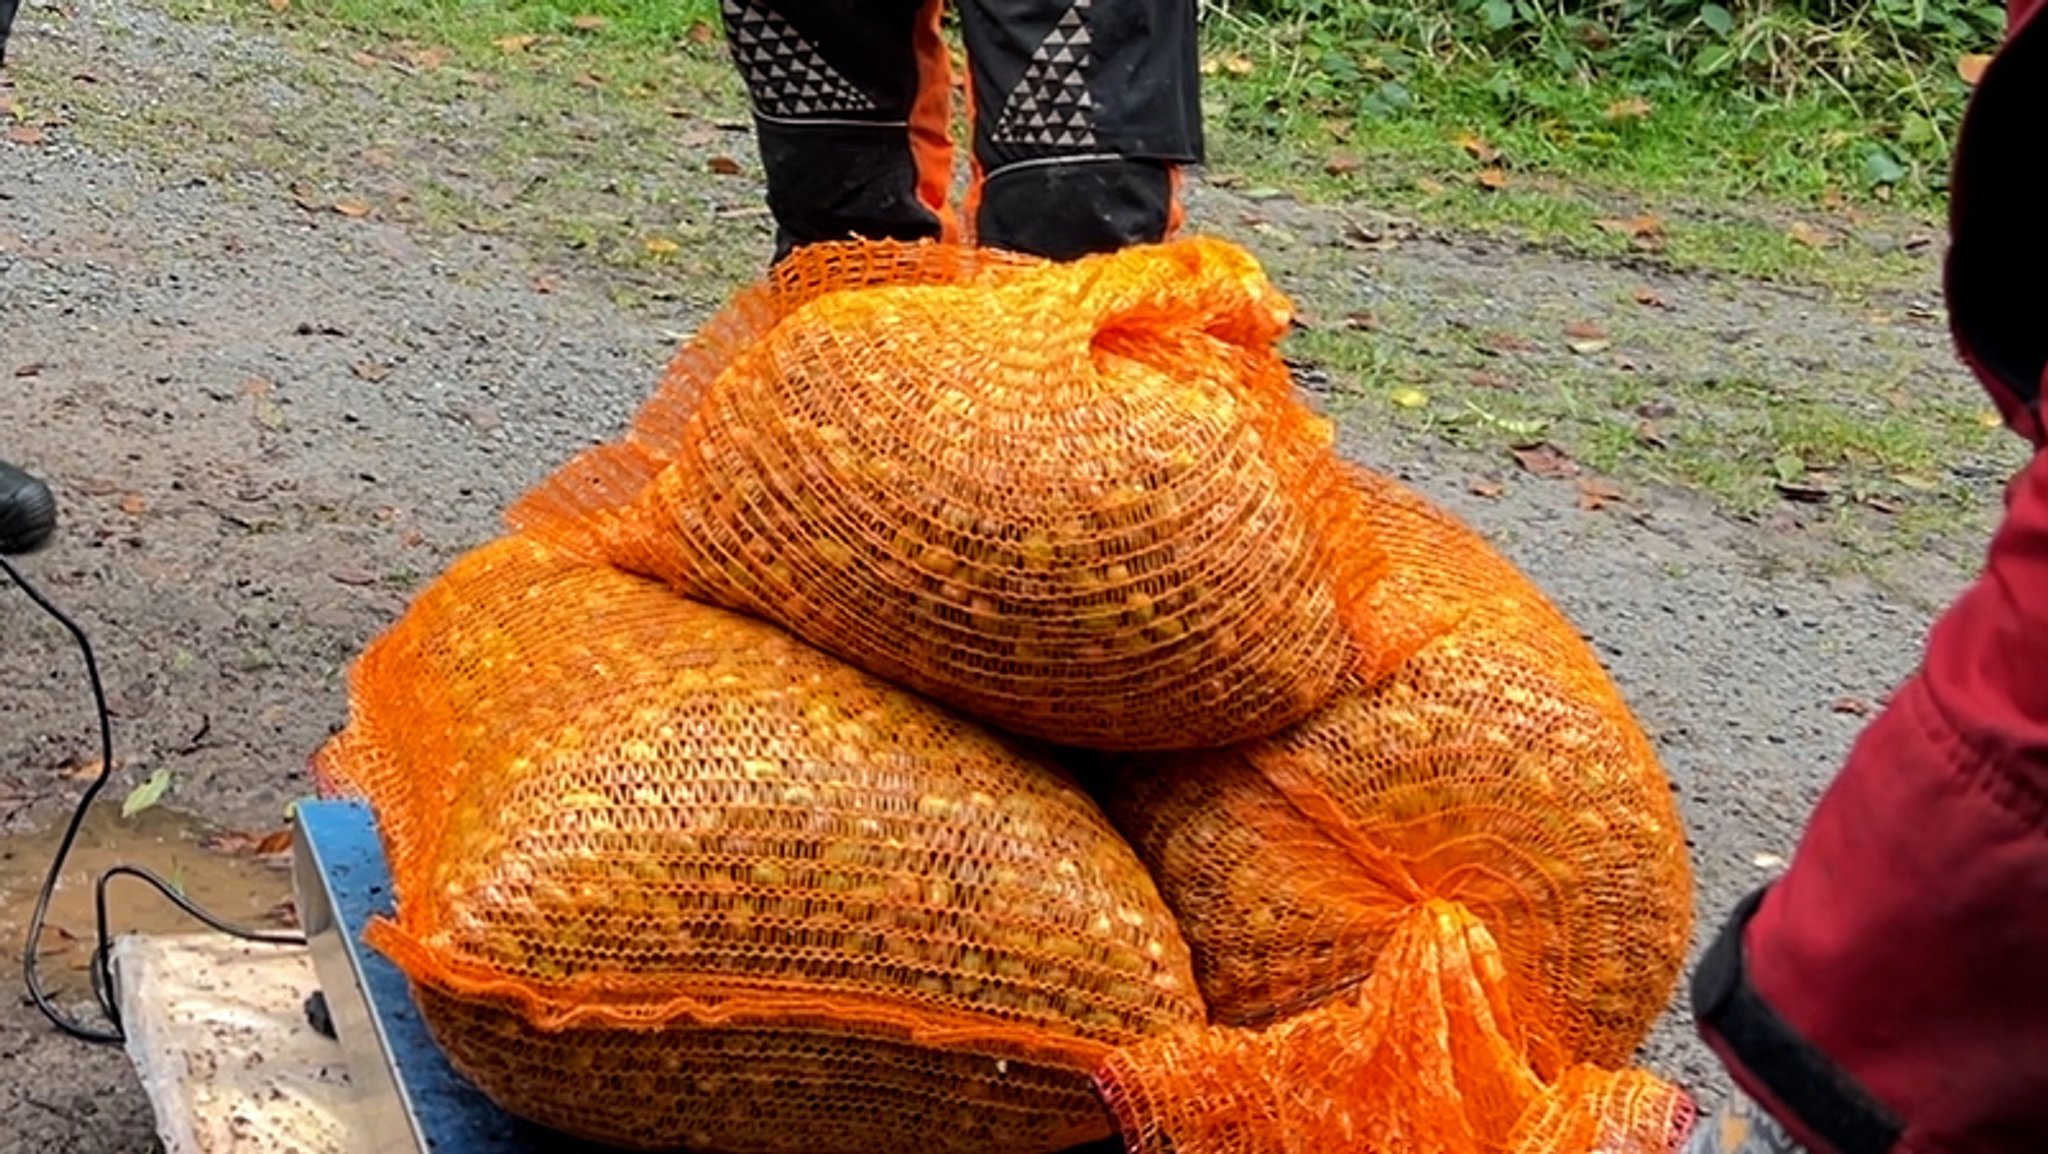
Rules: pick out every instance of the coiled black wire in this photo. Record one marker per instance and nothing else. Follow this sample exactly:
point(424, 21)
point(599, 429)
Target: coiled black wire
point(101, 964)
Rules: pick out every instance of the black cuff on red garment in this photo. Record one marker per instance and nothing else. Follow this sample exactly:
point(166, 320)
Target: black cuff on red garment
point(1825, 1098)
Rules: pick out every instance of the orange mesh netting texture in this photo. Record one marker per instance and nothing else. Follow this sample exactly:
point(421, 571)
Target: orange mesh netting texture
point(1077, 501)
point(1425, 1056)
point(667, 876)
point(1496, 767)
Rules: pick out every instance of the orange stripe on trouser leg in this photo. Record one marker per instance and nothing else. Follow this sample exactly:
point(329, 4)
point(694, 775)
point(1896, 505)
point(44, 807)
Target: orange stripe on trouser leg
point(971, 211)
point(1176, 208)
point(931, 139)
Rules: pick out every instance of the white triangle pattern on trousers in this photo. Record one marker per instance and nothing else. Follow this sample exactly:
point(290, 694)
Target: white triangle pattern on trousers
point(1051, 107)
point(786, 76)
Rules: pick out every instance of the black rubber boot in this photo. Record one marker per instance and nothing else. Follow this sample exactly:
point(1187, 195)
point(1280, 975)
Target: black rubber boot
point(28, 511)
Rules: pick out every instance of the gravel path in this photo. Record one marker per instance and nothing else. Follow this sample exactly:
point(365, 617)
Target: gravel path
point(269, 427)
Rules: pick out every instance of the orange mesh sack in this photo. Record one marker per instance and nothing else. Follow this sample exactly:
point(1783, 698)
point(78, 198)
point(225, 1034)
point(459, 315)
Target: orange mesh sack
point(1497, 767)
point(1425, 1057)
point(668, 877)
point(1075, 500)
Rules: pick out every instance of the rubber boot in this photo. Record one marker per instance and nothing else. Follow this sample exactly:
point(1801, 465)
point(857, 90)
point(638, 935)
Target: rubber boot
point(28, 511)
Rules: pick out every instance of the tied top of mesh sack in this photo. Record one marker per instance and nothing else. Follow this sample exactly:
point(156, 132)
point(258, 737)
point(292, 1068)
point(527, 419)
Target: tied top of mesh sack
point(1076, 500)
point(606, 806)
point(1497, 766)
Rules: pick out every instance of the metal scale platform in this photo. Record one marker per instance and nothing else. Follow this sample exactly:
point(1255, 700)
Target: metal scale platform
point(405, 1097)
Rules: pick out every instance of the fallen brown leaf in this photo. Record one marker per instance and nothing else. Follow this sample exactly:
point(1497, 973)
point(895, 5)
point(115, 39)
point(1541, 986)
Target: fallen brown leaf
point(1854, 706)
point(1487, 489)
point(413, 539)
point(55, 940)
point(1362, 321)
point(134, 504)
point(1806, 234)
point(701, 33)
point(510, 44)
point(723, 166)
point(1650, 435)
point(365, 59)
point(1596, 494)
point(1428, 186)
point(1492, 178)
point(280, 6)
point(1544, 459)
point(1884, 505)
point(84, 769)
point(240, 843)
point(1480, 378)
point(1646, 226)
point(26, 134)
point(1585, 331)
point(1508, 343)
point(1634, 108)
point(1650, 298)
point(352, 208)
point(1342, 164)
point(1476, 146)
point(370, 371)
point(591, 80)
point(354, 576)
point(1971, 67)
point(590, 23)
point(543, 284)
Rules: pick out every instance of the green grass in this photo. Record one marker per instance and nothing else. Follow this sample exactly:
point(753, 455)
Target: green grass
point(1901, 468)
point(1729, 176)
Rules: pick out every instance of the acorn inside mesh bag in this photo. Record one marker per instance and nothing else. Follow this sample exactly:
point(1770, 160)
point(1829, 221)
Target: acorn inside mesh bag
point(667, 877)
point(1077, 501)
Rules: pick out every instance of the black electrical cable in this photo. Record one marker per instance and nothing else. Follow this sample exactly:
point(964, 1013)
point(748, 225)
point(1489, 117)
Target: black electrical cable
point(102, 954)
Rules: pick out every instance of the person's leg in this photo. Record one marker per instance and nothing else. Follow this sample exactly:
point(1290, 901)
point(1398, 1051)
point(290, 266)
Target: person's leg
point(1084, 113)
point(28, 511)
point(851, 101)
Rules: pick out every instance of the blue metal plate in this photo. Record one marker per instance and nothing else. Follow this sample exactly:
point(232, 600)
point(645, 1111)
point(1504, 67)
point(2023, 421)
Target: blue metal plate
point(412, 1101)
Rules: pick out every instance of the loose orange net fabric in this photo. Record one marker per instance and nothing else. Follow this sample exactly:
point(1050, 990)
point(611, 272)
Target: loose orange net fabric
point(1425, 1056)
point(1073, 500)
point(669, 877)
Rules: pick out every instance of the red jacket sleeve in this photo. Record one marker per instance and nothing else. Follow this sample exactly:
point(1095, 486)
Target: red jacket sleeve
point(1890, 992)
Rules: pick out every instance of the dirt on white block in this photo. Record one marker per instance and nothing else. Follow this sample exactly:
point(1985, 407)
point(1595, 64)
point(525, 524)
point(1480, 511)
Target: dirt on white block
point(217, 1030)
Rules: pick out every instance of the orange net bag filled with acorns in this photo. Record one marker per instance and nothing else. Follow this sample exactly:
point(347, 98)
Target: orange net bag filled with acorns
point(666, 877)
point(1076, 501)
point(1494, 782)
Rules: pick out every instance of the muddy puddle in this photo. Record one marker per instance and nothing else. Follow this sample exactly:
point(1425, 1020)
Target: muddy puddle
point(241, 878)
